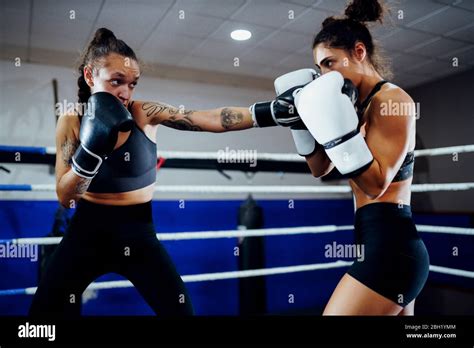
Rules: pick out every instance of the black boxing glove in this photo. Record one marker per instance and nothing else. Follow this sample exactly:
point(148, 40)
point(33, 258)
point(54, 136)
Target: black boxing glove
point(282, 110)
point(104, 118)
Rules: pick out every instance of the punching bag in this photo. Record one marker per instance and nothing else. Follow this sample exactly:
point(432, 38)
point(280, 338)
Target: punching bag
point(252, 290)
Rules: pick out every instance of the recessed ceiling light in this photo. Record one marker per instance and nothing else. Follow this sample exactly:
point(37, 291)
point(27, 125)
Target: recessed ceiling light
point(241, 35)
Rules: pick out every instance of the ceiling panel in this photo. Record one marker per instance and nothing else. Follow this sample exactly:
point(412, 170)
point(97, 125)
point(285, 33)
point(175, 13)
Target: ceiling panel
point(379, 30)
point(169, 50)
point(465, 55)
point(407, 11)
point(427, 36)
point(270, 13)
point(68, 23)
point(445, 21)
point(145, 14)
point(405, 62)
point(226, 50)
point(465, 4)
point(309, 22)
point(222, 65)
point(336, 6)
point(465, 33)
point(434, 67)
point(288, 42)
point(162, 57)
point(297, 61)
point(190, 24)
point(217, 8)
point(307, 3)
point(403, 39)
point(265, 56)
point(14, 21)
point(436, 47)
point(162, 41)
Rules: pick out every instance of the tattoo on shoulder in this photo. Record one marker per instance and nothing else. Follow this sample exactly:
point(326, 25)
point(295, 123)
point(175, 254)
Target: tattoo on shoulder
point(82, 185)
point(68, 148)
point(230, 118)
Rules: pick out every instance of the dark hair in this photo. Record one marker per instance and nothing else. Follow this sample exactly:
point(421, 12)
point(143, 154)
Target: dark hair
point(103, 43)
point(346, 31)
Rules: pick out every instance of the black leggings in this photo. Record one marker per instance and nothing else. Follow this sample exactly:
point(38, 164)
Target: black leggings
point(110, 239)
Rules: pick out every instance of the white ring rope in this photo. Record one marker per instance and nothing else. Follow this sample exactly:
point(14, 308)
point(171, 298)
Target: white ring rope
point(290, 157)
point(452, 271)
point(255, 273)
point(446, 229)
point(277, 189)
point(218, 155)
point(442, 187)
point(444, 150)
point(263, 232)
point(253, 189)
point(51, 150)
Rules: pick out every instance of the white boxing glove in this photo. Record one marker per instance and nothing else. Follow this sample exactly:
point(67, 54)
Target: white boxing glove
point(304, 142)
point(330, 116)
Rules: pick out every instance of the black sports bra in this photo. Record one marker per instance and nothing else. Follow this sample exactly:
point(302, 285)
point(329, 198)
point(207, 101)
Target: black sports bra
point(131, 166)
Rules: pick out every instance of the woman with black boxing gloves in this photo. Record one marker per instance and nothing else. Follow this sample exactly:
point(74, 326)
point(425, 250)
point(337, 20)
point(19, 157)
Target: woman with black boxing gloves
point(372, 145)
point(106, 168)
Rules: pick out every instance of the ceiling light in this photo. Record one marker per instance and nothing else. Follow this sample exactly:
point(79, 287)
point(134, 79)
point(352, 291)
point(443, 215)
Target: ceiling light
point(241, 35)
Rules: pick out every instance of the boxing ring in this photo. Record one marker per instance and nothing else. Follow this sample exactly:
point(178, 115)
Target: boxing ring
point(289, 232)
point(245, 234)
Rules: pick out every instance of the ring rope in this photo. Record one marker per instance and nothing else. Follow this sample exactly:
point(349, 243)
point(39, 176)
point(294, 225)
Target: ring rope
point(263, 232)
point(446, 229)
point(289, 157)
point(238, 274)
point(452, 271)
point(269, 189)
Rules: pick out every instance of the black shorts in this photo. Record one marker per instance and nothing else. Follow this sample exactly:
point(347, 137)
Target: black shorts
point(395, 263)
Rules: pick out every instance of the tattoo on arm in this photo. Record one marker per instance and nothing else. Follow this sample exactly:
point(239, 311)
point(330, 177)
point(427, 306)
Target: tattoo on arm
point(68, 148)
point(175, 121)
point(230, 118)
point(155, 109)
point(181, 124)
point(82, 185)
point(175, 111)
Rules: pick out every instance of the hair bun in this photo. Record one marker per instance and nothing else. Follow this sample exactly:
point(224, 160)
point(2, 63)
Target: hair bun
point(364, 11)
point(103, 35)
point(328, 21)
